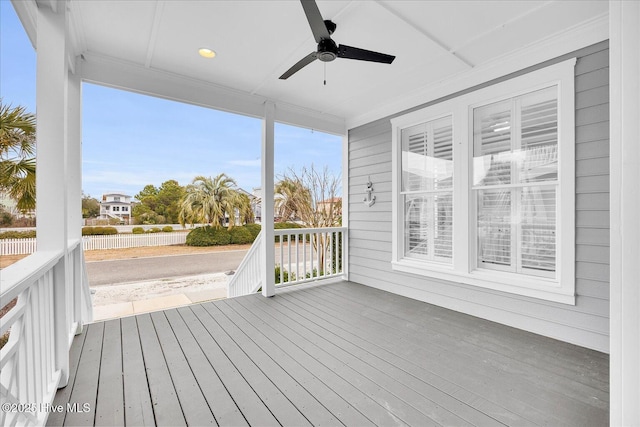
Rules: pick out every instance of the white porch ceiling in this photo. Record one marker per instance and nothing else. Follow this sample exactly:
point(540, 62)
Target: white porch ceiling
point(256, 41)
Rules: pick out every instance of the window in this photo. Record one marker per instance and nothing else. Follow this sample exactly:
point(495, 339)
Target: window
point(427, 190)
point(484, 187)
point(116, 198)
point(515, 180)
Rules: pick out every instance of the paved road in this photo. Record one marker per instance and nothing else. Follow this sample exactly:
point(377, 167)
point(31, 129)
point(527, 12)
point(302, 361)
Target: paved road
point(138, 269)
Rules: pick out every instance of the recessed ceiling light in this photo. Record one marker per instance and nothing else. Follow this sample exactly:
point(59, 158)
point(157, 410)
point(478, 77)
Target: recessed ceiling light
point(206, 53)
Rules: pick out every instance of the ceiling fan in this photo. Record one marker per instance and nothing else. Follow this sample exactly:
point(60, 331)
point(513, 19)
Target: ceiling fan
point(328, 50)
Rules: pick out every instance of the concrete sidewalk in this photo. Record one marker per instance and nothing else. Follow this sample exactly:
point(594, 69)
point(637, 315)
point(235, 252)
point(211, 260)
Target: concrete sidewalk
point(127, 299)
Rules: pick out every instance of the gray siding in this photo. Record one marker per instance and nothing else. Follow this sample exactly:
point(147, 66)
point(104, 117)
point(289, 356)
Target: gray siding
point(586, 323)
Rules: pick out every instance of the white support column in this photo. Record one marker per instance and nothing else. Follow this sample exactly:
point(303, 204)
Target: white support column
point(73, 179)
point(624, 57)
point(268, 248)
point(74, 155)
point(51, 123)
point(345, 205)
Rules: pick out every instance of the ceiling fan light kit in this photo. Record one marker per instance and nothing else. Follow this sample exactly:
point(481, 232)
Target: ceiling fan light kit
point(327, 49)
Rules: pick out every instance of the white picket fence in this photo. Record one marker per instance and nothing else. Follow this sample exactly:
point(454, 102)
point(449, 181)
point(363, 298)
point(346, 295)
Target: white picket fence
point(89, 243)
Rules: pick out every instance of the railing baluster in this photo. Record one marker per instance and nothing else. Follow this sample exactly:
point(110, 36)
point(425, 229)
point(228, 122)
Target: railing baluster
point(298, 257)
point(321, 251)
point(289, 271)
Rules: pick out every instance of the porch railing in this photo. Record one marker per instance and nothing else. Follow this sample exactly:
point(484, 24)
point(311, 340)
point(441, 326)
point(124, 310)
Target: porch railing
point(301, 255)
point(248, 276)
point(41, 327)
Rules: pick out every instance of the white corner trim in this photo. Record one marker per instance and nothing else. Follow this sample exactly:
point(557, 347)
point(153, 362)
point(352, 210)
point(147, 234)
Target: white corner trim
point(624, 62)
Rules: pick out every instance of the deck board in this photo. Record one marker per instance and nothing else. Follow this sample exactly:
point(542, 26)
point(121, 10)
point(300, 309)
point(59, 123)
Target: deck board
point(275, 400)
point(220, 402)
point(85, 388)
point(433, 399)
point(194, 405)
point(244, 395)
point(63, 394)
point(166, 406)
point(138, 408)
point(110, 399)
point(336, 354)
point(577, 381)
point(304, 401)
point(526, 389)
point(282, 352)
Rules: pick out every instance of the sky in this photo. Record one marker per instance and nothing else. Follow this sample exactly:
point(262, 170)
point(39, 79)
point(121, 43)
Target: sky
point(131, 140)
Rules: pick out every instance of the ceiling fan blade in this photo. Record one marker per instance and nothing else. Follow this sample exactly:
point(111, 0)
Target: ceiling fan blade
point(364, 55)
point(299, 65)
point(318, 27)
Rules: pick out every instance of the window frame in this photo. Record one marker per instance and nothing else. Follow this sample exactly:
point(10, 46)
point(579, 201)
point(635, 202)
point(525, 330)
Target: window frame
point(463, 268)
point(431, 256)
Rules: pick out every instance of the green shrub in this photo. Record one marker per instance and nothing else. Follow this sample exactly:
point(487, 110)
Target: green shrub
point(208, 236)
point(254, 229)
point(285, 275)
point(109, 231)
point(240, 236)
point(154, 230)
point(18, 234)
point(167, 229)
point(286, 225)
point(99, 231)
point(137, 230)
point(314, 273)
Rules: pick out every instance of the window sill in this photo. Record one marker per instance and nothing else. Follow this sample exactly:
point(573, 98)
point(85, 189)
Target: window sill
point(529, 286)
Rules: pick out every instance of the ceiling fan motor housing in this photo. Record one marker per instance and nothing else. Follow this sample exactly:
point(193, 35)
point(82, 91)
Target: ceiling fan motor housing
point(327, 50)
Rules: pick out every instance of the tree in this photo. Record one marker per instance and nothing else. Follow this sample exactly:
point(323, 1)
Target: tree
point(209, 200)
point(312, 195)
point(17, 155)
point(90, 207)
point(292, 199)
point(245, 210)
point(169, 196)
point(6, 219)
point(159, 205)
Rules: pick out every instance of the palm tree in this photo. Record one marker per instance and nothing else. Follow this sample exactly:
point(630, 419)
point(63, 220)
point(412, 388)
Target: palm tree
point(208, 200)
point(17, 155)
point(245, 209)
point(292, 199)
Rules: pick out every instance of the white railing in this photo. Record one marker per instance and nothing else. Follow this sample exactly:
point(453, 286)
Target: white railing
point(89, 243)
point(41, 326)
point(248, 276)
point(301, 255)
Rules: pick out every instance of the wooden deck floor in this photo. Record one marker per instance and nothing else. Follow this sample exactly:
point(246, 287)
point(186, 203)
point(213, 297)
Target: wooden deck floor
point(338, 354)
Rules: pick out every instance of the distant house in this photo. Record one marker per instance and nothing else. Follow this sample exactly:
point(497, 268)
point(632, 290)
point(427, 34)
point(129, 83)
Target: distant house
point(116, 206)
point(10, 206)
point(334, 203)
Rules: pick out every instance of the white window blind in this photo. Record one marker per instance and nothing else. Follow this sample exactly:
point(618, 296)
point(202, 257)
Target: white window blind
point(427, 190)
point(515, 177)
